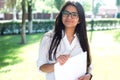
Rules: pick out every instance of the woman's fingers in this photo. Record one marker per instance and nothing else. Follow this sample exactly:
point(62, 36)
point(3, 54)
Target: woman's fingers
point(81, 78)
point(84, 77)
point(62, 59)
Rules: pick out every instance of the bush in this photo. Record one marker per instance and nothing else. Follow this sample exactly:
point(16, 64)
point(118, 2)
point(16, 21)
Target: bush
point(118, 15)
point(14, 27)
point(103, 24)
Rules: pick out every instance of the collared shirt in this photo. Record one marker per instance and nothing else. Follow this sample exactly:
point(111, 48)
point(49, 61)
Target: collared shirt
point(64, 48)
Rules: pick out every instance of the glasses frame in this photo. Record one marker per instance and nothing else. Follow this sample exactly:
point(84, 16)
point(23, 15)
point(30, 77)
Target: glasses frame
point(74, 15)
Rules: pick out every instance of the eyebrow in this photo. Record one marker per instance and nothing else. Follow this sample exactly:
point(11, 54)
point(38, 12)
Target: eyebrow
point(69, 11)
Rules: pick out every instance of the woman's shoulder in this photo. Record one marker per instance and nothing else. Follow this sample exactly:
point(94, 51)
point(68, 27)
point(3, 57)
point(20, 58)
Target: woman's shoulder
point(49, 34)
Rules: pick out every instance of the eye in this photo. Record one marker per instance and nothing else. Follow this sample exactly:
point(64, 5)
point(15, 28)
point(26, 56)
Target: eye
point(65, 13)
point(74, 14)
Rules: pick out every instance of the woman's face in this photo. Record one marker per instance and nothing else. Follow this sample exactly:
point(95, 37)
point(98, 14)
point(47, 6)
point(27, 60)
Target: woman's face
point(70, 17)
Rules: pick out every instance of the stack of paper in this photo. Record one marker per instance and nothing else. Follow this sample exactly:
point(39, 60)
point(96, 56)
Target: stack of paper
point(72, 69)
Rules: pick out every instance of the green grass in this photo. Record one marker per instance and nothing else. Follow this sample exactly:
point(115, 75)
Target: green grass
point(18, 62)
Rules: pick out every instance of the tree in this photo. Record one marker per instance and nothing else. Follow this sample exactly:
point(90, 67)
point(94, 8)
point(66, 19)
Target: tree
point(23, 33)
point(97, 5)
point(12, 5)
point(59, 3)
point(86, 5)
point(118, 6)
point(29, 2)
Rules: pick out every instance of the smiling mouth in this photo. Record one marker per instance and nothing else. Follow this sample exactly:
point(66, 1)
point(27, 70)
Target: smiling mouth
point(68, 21)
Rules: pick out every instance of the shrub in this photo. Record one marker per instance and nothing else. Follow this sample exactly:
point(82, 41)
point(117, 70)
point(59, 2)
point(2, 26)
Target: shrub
point(14, 27)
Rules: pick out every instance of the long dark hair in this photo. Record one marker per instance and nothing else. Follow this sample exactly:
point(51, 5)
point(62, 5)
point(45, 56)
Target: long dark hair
point(80, 31)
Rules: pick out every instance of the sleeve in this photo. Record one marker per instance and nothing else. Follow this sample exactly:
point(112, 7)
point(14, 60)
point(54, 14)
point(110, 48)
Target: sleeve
point(43, 51)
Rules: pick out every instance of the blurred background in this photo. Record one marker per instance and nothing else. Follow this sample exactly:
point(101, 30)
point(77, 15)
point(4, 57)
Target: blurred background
point(47, 9)
point(23, 23)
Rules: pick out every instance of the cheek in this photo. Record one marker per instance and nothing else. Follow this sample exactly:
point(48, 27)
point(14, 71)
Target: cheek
point(63, 20)
point(77, 22)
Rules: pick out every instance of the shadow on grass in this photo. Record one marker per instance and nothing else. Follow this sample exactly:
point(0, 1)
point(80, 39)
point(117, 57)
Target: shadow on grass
point(10, 48)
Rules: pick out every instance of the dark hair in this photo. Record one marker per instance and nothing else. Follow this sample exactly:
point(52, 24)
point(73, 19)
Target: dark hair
point(80, 31)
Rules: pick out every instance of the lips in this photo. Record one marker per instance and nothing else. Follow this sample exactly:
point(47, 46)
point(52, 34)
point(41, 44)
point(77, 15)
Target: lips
point(68, 21)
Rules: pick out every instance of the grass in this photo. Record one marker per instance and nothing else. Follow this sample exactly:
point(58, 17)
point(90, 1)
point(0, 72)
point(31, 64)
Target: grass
point(105, 47)
point(18, 62)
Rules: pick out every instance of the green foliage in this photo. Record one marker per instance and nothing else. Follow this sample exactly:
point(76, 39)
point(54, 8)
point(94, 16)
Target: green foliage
point(10, 4)
point(118, 2)
point(86, 5)
point(104, 24)
point(96, 8)
point(59, 3)
point(43, 25)
point(118, 15)
point(45, 6)
point(10, 27)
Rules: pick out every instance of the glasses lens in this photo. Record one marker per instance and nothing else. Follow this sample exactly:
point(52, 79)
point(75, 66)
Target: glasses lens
point(67, 13)
point(74, 15)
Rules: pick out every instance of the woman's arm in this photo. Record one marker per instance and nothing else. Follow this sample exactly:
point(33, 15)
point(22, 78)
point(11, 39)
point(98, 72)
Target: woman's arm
point(42, 62)
point(47, 67)
point(50, 67)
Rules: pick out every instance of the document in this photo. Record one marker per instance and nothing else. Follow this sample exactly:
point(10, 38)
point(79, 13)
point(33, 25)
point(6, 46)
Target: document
point(72, 69)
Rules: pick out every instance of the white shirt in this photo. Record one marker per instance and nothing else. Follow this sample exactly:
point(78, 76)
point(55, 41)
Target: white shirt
point(64, 48)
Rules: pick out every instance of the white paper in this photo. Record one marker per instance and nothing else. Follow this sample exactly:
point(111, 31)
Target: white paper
point(72, 69)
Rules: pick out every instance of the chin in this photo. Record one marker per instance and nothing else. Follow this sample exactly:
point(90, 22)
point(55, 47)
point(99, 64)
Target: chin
point(70, 27)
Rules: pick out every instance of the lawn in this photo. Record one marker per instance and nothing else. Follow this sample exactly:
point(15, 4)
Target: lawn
point(18, 62)
point(105, 46)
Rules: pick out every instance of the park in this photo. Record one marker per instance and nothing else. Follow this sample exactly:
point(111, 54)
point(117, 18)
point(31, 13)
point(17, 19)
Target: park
point(18, 57)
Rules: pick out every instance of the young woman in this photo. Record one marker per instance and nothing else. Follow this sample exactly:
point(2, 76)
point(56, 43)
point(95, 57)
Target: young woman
point(68, 39)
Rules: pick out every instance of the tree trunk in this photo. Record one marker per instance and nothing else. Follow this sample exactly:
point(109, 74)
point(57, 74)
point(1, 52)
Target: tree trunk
point(23, 33)
point(118, 8)
point(118, 11)
point(14, 13)
point(30, 24)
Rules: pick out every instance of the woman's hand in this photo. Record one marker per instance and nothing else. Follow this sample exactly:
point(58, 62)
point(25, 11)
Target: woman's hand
point(62, 59)
point(85, 77)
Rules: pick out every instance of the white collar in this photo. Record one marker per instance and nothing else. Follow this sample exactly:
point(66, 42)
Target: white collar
point(63, 34)
point(71, 46)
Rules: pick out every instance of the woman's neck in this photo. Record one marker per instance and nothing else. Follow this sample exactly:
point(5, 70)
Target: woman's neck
point(70, 35)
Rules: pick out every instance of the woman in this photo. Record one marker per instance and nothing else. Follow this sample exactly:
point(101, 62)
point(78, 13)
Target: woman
point(68, 39)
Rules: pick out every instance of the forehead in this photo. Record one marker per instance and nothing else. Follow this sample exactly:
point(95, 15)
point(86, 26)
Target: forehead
point(71, 8)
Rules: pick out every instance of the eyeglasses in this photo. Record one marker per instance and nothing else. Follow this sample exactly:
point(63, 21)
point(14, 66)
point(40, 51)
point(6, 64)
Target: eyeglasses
point(74, 15)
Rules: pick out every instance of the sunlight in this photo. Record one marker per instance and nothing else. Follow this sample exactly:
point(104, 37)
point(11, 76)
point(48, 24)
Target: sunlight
point(109, 2)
